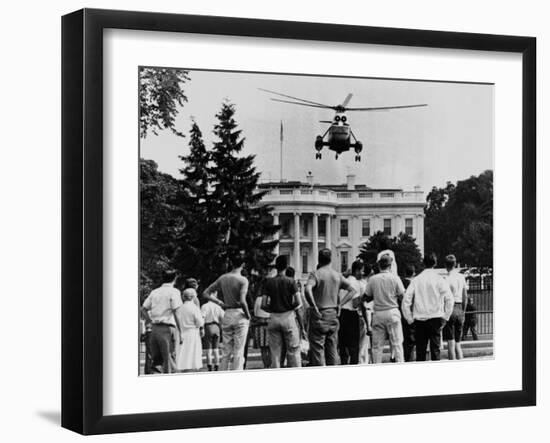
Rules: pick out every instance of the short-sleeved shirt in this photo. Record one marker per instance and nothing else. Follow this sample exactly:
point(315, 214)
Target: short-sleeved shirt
point(161, 304)
point(229, 287)
point(326, 283)
point(457, 283)
point(385, 287)
point(281, 291)
point(212, 312)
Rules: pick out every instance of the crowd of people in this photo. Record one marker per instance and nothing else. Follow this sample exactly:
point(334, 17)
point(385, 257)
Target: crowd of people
point(334, 319)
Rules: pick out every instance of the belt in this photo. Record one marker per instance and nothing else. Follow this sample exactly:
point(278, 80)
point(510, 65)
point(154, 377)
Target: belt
point(326, 309)
point(211, 323)
point(237, 307)
point(164, 324)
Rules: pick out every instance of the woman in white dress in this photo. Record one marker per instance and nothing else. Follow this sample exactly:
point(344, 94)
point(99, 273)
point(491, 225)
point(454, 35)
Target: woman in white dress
point(189, 356)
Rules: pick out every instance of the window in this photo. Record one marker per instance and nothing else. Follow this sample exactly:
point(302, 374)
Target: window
point(304, 227)
point(409, 226)
point(343, 195)
point(365, 227)
point(343, 261)
point(322, 227)
point(343, 228)
point(365, 195)
point(304, 264)
point(387, 226)
point(285, 192)
point(387, 194)
point(285, 225)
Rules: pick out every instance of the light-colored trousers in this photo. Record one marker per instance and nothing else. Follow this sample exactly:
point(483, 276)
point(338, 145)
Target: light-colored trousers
point(234, 333)
point(282, 329)
point(387, 323)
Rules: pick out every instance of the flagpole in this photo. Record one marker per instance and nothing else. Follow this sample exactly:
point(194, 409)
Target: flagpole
point(281, 139)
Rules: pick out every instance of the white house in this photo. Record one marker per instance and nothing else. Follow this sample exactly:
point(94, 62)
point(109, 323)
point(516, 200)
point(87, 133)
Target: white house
point(339, 217)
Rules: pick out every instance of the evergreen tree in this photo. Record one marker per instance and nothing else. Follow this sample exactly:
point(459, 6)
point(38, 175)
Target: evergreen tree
point(195, 246)
point(240, 222)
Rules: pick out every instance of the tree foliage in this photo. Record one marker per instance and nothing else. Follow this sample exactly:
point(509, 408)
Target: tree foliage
point(459, 220)
point(243, 223)
point(160, 94)
point(161, 221)
point(213, 213)
point(404, 247)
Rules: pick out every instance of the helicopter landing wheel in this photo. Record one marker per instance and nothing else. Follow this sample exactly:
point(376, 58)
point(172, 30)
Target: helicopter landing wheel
point(318, 156)
point(357, 158)
point(336, 157)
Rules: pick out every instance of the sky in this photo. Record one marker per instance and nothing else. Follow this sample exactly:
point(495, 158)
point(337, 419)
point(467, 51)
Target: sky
point(449, 140)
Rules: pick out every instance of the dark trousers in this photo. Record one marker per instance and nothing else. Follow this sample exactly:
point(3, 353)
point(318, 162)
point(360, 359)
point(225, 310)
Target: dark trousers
point(348, 337)
point(323, 338)
point(163, 348)
point(408, 340)
point(428, 331)
point(471, 327)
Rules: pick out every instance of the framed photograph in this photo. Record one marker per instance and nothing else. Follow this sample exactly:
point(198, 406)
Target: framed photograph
point(269, 221)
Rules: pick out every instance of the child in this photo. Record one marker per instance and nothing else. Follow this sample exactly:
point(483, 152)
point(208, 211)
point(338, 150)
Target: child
point(189, 355)
point(213, 315)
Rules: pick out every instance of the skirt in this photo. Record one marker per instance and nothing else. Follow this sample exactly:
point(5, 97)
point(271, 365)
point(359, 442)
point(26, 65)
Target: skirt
point(190, 351)
point(260, 334)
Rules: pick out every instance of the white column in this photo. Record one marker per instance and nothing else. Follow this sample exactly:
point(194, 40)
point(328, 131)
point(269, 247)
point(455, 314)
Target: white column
point(354, 238)
point(315, 239)
point(328, 233)
point(276, 236)
point(297, 264)
point(419, 233)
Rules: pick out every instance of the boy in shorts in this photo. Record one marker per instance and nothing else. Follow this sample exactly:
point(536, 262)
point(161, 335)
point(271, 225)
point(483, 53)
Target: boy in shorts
point(213, 315)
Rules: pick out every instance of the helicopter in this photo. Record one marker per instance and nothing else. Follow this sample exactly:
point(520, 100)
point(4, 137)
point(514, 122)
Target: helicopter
point(339, 136)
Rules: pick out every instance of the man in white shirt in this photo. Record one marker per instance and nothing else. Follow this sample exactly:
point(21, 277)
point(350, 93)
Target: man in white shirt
point(349, 334)
point(159, 309)
point(452, 332)
point(428, 302)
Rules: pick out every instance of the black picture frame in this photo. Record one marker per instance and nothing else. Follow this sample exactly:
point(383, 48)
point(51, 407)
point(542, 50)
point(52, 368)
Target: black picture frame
point(82, 219)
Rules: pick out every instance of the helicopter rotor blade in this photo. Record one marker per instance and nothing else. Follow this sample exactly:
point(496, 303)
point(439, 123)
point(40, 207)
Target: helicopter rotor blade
point(386, 108)
point(302, 104)
point(325, 121)
point(295, 98)
point(346, 100)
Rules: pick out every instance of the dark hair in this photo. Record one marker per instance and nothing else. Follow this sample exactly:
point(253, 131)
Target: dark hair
point(430, 260)
point(237, 260)
point(367, 269)
point(384, 262)
point(169, 276)
point(290, 272)
point(281, 263)
point(409, 270)
point(357, 265)
point(325, 257)
point(450, 261)
point(190, 283)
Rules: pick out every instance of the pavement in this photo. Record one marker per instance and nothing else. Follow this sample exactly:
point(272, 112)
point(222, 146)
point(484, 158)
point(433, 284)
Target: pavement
point(472, 349)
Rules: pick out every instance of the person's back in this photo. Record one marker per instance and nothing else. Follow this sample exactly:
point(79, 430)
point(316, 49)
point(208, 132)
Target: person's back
point(230, 286)
point(281, 291)
point(428, 288)
point(212, 312)
point(385, 287)
point(322, 290)
point(328, 282)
